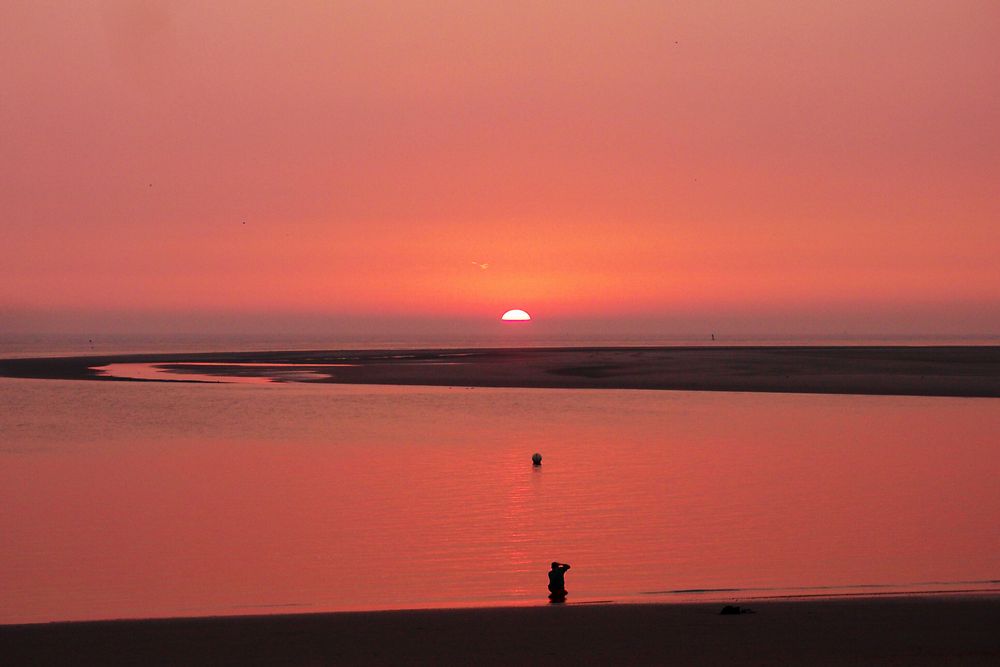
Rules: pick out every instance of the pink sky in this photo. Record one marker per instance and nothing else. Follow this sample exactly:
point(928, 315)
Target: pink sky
point(671, 167)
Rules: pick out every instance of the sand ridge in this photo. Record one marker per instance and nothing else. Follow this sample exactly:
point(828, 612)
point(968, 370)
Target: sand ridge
point(918, 371)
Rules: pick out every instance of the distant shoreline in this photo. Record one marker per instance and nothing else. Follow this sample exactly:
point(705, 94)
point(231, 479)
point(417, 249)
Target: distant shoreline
point(917, 630)
point(963, 371)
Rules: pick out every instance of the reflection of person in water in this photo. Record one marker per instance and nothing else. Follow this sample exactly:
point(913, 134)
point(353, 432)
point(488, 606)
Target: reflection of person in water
point(557, 582)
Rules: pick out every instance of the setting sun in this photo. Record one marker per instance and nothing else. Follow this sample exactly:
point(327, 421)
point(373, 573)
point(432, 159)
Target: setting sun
point(516, 315)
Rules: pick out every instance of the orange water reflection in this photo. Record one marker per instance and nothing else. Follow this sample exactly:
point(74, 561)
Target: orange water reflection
point(148, 499)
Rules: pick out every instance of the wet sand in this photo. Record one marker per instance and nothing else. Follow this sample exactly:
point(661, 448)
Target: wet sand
point(951, 630)
point(917, 371)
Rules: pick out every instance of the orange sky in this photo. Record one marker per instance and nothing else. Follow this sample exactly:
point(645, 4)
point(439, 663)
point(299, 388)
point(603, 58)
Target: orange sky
point(771, 166)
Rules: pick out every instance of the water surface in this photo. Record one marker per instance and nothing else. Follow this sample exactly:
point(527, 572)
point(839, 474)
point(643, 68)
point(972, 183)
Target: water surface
point(165, 499)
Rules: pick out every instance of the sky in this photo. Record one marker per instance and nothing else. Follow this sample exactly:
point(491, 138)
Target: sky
point(644, 167)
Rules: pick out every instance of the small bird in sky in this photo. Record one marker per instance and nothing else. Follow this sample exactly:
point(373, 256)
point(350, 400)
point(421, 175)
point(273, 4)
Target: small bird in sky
point(481, 265)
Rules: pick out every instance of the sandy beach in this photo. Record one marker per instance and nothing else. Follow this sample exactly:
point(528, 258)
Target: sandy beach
point(935, 630)
point(915, 371)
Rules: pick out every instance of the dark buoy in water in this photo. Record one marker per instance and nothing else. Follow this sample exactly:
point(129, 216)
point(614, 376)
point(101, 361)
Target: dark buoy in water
point(536, 459)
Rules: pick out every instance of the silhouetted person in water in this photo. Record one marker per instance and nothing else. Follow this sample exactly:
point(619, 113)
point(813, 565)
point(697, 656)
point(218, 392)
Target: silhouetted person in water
point(557, 582)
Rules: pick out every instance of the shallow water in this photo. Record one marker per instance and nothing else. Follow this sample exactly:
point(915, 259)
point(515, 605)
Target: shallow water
point(123, 499)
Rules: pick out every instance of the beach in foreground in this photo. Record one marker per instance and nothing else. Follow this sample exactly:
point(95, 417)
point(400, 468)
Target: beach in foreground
point(916, 371)
point(933, 630)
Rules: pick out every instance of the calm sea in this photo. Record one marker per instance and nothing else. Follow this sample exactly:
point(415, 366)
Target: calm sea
point(48, 345)
point(149, 499)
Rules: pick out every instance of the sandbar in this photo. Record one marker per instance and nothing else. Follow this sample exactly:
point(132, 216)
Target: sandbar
point(972, 371)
